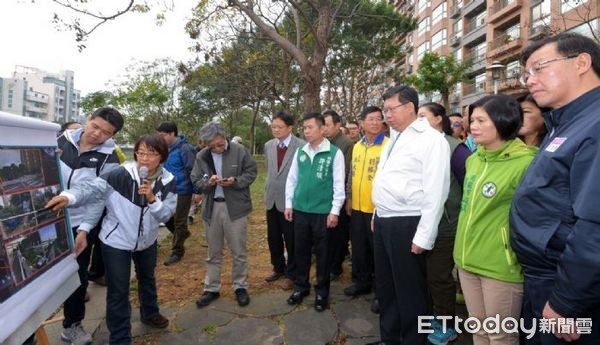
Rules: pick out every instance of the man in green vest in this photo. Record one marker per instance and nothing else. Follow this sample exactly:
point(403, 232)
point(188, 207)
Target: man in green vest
point(314, 195)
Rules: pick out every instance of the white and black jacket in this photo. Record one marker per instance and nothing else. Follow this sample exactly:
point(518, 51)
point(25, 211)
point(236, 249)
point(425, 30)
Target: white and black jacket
point(130, 222)
point(79, 167)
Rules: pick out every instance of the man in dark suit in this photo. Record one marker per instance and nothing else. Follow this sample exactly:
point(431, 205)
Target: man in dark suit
point(279, 152)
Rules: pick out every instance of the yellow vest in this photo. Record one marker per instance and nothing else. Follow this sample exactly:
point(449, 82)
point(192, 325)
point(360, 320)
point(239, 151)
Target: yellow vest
point(364, 165)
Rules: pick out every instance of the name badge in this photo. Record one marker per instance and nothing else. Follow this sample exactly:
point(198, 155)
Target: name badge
point(555, 144)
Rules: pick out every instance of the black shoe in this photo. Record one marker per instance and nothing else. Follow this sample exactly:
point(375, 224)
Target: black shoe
point(296, 297)
point(274, 276)
point(354, 290)
point(241, 295)
point(172, 259)
point(375, 306)
point(158, 321)
point(320, 303)
point(190, 220)
point(206, 298)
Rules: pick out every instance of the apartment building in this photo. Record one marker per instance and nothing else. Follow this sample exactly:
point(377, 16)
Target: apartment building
point(36, 93)
point(491, 33)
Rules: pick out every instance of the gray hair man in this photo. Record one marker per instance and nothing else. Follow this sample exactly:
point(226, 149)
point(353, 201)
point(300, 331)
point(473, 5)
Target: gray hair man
point(223, 172)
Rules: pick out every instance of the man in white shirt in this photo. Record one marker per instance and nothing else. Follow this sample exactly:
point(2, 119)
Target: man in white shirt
point(409, 191)
point(314, 195)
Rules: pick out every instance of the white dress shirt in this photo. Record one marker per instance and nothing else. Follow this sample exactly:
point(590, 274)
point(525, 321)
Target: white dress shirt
point(339, 195)
point(413, 179)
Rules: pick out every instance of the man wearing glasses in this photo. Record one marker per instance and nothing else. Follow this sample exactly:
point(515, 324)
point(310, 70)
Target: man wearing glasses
point(409, 191)
point(85, 153)
point(555, 218)
point(223, 172)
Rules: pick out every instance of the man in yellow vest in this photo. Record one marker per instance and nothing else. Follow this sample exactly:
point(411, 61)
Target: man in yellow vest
point(365, 157)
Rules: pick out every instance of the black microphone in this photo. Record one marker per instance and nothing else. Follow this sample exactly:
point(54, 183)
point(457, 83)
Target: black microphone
point(143, 178)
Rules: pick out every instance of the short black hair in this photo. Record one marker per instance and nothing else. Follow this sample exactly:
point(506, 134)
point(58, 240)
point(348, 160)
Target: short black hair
point(505, 112)
point(155, 143)
point(335, 117)
point(287, 118)
point(370, 109)
point(405, 94)
point(353, 122)
point(439, 110)
point(167, 127)
point(317, 116)
point(66, 125)
point(455, 115)
point(567, 44)
point(110, 115)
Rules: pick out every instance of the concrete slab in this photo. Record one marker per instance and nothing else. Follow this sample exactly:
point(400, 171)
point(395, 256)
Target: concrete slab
point(249, 331)
point(191, 317)
point(261, 305)
point(309, 327)
point(356, 319)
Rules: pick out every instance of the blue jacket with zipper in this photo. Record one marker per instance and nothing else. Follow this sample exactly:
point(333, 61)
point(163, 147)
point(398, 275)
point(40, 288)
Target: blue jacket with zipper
point(555, 214)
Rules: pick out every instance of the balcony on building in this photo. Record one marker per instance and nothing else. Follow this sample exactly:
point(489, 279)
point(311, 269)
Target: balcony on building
point(471, 6)
point(456, 9)
point(539, 30)
point(474, 28)
point(506, 43)
point(477, 57)
point(510, 83)
point(501, 9)
point(472, 91)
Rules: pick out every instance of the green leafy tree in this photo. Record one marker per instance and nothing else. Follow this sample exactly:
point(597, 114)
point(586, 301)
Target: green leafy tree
point(438, 73)
point(303, 30)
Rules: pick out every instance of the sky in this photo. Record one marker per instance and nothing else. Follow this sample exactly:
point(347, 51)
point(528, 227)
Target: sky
point(29, 38)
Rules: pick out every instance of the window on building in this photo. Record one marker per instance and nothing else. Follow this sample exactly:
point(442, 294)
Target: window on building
point(439, 39)
point(513, 69)
point(540, 14)
point(480, 83)
point(439, 13)
point(422, 49)
point(514, 31)
point(480, 19)
point(458, 56)
point(567, 5)
point(457, 27)
point(478, 52)
point(590, 29)
point(423, 4)
point(424, 26)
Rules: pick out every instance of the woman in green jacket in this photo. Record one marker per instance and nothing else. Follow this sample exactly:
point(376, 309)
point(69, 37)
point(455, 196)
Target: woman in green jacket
point(490, 275)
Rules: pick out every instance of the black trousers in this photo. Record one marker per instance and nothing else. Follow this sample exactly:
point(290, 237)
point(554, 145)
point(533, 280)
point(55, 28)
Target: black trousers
point(340, 235)
point(74, 305)
point(311, 234)
point(361, 237)
point(96, 269)
point(280, 236)
point(401, 280)
point(440, 282)
point(178, 226)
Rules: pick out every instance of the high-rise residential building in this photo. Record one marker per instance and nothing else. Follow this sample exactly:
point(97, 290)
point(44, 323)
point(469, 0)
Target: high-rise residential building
point(36, 93)
point(492, 35)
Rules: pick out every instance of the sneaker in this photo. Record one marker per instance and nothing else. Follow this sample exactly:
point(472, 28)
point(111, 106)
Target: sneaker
point(158, 321)
point(439, 337)
point(76, 335)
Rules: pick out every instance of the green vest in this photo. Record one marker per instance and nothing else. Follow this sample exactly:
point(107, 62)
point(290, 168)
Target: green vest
point(314, 187)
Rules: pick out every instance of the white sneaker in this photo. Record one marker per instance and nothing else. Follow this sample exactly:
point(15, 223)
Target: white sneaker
point(76, 335)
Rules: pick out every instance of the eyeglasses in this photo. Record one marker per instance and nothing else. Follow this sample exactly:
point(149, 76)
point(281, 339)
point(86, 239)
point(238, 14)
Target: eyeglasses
point(141, 154)
point(388, 109)
point(538, 66)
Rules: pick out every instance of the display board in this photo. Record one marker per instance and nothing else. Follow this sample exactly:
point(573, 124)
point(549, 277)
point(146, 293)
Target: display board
point(37, 268)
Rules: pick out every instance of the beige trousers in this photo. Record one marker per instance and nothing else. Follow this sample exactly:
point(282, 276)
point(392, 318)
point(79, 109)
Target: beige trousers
point(487, 297)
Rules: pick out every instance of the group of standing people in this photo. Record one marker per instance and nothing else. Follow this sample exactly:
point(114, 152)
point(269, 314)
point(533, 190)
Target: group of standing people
point(520, 226)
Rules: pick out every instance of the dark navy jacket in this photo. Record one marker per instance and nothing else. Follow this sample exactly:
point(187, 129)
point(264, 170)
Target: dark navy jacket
point(555, 214)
